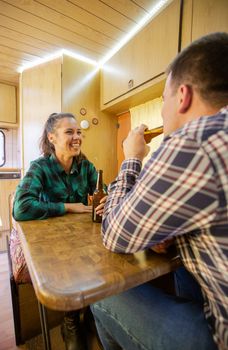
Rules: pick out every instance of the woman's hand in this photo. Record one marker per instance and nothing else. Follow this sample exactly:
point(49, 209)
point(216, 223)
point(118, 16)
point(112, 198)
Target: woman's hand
point(77, 208)
point(161, 248)
point(100, 208)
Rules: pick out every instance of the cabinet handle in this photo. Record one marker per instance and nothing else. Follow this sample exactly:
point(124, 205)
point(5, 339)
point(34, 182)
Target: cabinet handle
point(130, 84)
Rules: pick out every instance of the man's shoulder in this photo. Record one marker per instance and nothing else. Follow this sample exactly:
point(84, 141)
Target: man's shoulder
point(205, 127)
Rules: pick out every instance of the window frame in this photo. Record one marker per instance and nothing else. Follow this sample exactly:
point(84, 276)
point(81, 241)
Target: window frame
point(4, 148)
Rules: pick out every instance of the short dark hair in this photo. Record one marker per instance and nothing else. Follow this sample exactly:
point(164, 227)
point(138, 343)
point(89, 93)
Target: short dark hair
point(46, 147)
point(204, 65)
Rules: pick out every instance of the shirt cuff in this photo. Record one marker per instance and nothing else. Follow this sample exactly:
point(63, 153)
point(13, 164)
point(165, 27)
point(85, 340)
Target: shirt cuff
point(56, 209)
point(132, 165)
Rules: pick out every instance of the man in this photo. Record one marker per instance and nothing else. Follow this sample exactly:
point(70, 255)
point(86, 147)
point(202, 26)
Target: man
point(181, 194)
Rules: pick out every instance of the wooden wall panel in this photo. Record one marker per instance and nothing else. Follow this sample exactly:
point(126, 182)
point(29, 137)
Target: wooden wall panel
point(40, 96)
point(81, 88)
point(124, 126)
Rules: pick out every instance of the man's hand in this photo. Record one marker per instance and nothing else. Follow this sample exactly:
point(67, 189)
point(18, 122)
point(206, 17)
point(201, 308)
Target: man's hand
point(77, 208)
point(161, 248)
point(134, 146)
point(100, 208)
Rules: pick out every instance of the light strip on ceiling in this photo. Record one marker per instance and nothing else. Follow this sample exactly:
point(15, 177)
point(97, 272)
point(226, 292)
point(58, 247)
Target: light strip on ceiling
point(56, 55)
point(154, 11)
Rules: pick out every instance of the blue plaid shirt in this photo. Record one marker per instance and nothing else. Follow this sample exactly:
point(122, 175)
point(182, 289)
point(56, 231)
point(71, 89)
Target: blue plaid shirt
point(182, 192)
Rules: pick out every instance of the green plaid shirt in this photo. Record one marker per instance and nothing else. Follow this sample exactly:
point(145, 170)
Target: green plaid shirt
point(46, 187)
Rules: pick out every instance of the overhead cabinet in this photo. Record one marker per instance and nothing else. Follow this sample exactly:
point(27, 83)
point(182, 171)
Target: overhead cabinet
point(209, 16)
point(144, 57)
point(201, 17)
point(7, 104)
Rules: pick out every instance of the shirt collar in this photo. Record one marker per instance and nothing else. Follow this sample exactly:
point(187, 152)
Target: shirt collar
point(59, 168)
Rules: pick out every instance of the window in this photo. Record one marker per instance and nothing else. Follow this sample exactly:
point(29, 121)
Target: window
point(2, 148)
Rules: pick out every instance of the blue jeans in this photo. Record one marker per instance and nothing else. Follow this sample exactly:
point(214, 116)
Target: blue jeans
point(147, 318)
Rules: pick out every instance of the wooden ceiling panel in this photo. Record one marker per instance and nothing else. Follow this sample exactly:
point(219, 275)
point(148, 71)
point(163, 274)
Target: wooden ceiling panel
point(35, 35)
point(67, 21)
point(146, 4)
point(92, 21)
point(32, 29)
point(47, 26)
point(105, 11)
point(128, 8)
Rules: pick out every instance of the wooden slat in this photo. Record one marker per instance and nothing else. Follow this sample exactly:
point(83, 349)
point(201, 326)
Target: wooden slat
point(19, 46)
point(48, 27)
point(16, 53)
point(128, 9)
point(52, 15)
point(146, 4)
point(12, 59)
point(9, 78)
point(36, 33)
point(14, 34)
point(70, 10)
point(12, 67)
point(105, 11)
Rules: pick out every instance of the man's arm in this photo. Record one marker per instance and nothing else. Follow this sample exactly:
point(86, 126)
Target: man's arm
point(174, 194)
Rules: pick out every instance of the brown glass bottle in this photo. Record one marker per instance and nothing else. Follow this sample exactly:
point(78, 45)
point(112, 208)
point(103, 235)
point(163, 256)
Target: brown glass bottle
point(150, 134)
point(97, 195)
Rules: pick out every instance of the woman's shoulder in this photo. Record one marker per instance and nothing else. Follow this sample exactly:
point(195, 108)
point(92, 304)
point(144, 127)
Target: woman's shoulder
point(40, 162)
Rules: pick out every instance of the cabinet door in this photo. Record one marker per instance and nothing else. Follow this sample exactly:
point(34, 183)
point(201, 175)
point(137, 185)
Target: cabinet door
point(209, 16)
point(7, 104)
point(145, 57)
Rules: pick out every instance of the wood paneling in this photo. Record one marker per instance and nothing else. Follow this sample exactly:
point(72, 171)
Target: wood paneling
point(40, 96)
point(144, 57)
point(81, 88)
point(8, 104)
point(31, 29)
point(124, 126)
point(209, 16)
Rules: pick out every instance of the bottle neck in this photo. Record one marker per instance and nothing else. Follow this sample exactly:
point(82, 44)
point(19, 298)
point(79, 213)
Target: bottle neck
point(99, 180)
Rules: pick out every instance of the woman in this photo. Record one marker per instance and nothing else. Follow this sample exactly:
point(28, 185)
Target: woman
point(56, 183)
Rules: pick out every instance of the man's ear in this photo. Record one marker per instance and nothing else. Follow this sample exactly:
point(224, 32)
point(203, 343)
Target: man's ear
point(184, 98)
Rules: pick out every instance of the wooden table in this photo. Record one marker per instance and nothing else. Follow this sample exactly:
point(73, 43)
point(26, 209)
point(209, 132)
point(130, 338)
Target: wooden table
point(70, 268)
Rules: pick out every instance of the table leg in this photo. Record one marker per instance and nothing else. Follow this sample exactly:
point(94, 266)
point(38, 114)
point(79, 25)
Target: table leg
point(44, 326)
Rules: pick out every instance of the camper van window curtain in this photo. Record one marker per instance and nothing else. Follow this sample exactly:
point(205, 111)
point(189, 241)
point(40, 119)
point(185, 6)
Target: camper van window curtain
point(148, 113)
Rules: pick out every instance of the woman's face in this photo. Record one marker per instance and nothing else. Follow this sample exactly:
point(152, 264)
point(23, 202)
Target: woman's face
point(66, 138)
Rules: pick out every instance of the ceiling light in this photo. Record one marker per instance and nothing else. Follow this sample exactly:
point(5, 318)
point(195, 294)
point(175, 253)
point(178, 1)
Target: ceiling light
point(154, 11)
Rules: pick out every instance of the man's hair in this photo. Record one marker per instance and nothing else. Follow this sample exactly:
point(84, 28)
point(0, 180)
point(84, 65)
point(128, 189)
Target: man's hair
point(204, 66)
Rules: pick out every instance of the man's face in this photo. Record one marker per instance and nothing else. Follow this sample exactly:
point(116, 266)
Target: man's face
point(169, 108)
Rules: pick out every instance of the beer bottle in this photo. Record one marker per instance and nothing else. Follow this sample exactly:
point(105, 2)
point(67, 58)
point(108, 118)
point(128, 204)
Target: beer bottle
point(97, 195)
point(150, 134)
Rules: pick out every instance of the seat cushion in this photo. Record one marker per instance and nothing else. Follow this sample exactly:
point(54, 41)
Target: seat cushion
point(19, 266)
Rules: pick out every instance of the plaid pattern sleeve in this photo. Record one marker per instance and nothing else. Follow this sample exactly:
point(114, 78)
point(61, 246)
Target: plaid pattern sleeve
point(182, 192)
point(46, 187)
point(174, 194)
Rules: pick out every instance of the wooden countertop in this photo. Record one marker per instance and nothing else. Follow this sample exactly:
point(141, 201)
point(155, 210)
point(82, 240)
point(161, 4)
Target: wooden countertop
point(70, 268)
point(10, 170)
